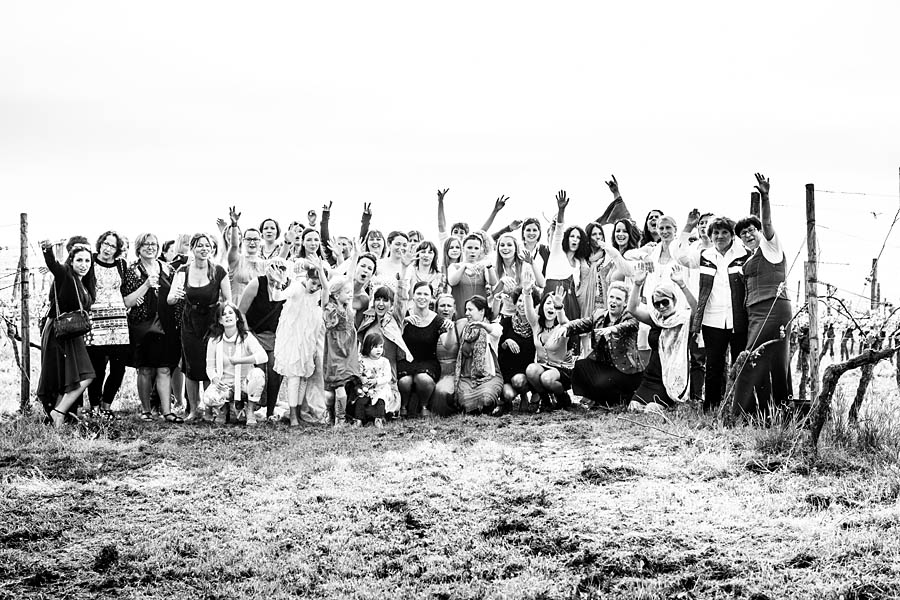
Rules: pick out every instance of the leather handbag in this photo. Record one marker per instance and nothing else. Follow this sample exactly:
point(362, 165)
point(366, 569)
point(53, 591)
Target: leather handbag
point(70, 324)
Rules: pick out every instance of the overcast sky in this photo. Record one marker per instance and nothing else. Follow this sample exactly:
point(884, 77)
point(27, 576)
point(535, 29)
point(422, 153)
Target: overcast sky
point(160, 115)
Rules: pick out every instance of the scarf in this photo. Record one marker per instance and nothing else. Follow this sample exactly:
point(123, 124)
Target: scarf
point(477, 338)
point(389, 329)
point(521, 327)
point(673, 348)
point(220, 362)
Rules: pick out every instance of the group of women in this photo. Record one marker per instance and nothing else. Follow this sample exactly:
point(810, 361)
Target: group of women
point(372, 327)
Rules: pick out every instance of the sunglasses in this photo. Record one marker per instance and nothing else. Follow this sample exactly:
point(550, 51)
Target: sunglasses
point(661, 304)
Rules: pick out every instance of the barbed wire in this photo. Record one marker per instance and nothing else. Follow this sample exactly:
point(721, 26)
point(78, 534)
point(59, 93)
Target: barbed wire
point(858, 193)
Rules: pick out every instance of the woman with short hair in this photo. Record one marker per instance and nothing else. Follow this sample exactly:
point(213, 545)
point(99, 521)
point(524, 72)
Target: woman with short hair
point(155, 351)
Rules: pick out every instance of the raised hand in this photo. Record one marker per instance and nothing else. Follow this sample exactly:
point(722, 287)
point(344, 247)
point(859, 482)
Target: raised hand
point(515, 224)
point(640, 273)
point(442, 193)
point(221, 224)
point(327, 207)
point(559, 295)
point(693, 219)
point(311, 217)
point(677, 274)
point(367, 208)
point(614, 187)
point(562, 200)
point(291, 236)
point(762, 184)
point(46, 244)
point(234, 215)
point(500, 202)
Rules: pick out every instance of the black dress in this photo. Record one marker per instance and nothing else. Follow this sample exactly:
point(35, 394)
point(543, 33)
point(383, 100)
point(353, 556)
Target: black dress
point(422, 343)
point(511, 363)
point(199, 312)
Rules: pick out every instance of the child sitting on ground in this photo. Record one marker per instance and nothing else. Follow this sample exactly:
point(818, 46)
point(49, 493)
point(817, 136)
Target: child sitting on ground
point(375, 372)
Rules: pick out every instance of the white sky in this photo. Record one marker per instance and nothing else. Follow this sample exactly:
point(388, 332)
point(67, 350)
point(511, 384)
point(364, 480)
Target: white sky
point(159, 115)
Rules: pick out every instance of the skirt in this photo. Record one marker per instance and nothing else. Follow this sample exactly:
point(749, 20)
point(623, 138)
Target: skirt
point(157, 351)
point(477, 394)
point(64, 365)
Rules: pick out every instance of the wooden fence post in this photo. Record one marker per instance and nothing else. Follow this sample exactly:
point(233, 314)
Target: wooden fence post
point(812, 292)
point(25, 326)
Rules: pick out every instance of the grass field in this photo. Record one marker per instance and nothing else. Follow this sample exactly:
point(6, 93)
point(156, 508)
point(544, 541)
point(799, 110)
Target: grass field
point(525, 506)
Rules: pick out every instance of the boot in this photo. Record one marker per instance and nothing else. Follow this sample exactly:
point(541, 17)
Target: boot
point(251, 412)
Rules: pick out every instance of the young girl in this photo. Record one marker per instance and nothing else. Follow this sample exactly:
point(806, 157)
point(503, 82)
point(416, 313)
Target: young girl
point(376, 377)
point(298, 344)
point(231, 354)
point(341, 357)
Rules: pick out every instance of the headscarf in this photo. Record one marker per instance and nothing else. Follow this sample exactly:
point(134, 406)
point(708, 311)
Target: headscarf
point(673, 342)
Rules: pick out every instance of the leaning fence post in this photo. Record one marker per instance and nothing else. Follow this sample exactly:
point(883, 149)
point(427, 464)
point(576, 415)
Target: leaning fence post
point(25, 327)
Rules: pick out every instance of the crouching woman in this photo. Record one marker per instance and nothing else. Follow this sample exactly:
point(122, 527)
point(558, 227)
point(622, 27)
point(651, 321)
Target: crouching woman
point(231, 354)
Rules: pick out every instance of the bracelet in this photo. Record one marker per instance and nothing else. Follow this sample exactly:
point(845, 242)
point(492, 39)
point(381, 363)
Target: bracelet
point(557, 306)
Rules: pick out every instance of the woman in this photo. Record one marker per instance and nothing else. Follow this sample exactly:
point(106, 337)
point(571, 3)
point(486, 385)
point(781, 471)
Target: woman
point(531, 239)
point(108, 341)
point(612, 371)
point(373, 243)
point(768, 311)
point(650, 234)
point(231, 354)
point(513, 270)
point(66, 369)
point(478, 379)
point(421, 331)
point(243, 264)
point(384, 317)
point(665, 378)
point(516, 350)
point(262, 304)
point(366, 267)
point(470, 277)
point(721, 315)
point(270, 231)
point(200, 284)
point(595, 272)
point(568, 252)
point(550, 374)
point(443, 401)
point(393, 268)
point(425, 267)
point(155, 351)
point(451, 254)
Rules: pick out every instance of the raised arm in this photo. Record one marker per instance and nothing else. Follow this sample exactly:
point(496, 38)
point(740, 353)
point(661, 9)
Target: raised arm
point(515, 224)
point(365, 221)
point(530, 312)
point(442, 219)
point(234, 238)
point(325, 233)
point(677, 276)
point(499, 203)
point(765, 209)
point(639, 311)
point(225, 288)
point(50, 259)
point(249, 294)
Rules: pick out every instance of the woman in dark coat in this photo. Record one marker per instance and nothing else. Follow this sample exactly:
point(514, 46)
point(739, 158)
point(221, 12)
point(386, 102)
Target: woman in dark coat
point(66, 369)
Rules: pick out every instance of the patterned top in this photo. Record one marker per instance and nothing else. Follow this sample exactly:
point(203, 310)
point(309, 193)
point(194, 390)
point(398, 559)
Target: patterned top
point(109, 322)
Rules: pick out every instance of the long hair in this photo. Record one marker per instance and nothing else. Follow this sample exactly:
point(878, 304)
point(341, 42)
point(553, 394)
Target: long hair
point(589, 232)
point(216, 330)
point(634, 236)
point(583, 251)
point(426, 245)
point(89, 281)
point(447, 261)
point(210, 267)
point(481, 303)
point(516, 261)
point(648, 236)
point(542, 316)
point(303, 235)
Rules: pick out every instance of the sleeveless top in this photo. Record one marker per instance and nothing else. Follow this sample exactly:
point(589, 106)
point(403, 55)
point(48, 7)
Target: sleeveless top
point(263, 313)
point(762, 278)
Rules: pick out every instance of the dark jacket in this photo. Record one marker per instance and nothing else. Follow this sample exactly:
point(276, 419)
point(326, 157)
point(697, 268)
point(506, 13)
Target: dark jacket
point(739, 317)
point(66, 289)
point(621, 343)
